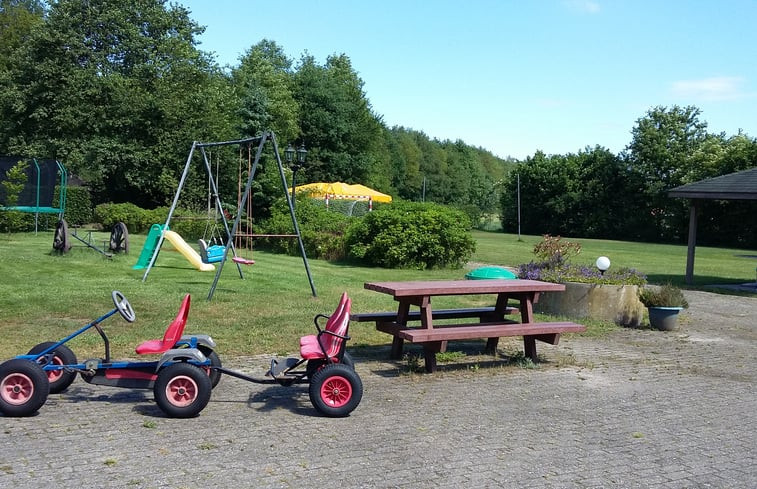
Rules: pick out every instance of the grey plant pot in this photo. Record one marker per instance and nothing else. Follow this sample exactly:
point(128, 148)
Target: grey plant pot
point(664, 318)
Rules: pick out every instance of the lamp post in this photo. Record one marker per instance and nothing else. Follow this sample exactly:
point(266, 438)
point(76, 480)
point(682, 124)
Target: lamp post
point(295, 165)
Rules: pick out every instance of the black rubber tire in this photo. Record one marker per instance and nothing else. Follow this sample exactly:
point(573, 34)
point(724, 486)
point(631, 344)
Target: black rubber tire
point(182, 390)
point(59, 379)
point(23, 377)
point(60, 238)
point(215, 360)
point(313, 366)
point(335, 390)
point(119, 238)
point(347, 360)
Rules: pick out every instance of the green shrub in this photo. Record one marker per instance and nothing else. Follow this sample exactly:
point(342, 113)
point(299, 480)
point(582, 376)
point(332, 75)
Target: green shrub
point(322, 230)
point(667, 295)
point(78, 205)
point(412, 235)
point(137, 220)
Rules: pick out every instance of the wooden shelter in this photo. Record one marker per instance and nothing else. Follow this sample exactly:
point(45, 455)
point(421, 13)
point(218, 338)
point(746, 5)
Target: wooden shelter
point(741, 185)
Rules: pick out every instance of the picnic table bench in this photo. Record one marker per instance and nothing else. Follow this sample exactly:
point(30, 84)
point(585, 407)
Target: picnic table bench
point(493, 324)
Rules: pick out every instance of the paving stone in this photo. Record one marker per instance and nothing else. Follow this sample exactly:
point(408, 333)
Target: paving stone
point(636, 408)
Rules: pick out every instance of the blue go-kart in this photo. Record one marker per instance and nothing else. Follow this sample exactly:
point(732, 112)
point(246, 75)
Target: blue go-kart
point(182, 378)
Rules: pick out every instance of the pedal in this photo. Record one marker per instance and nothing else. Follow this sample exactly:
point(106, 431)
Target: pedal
point(278, 368)
point(91, 364)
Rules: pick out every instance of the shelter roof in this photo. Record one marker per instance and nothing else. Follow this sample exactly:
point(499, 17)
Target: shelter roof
point(741, 185)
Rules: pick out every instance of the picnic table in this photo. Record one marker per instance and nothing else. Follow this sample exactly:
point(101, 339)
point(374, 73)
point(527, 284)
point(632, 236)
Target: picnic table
point(492, 324)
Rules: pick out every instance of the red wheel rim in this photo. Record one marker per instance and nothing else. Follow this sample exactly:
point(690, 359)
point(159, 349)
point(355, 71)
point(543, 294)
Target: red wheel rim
point(336, 391)
point(181, 391)
point(16, 389)
point(53, 375)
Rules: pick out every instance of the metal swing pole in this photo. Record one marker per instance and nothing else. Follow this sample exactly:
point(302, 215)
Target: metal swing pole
point(232, 234)
point(170, 212)
point(214, 187)
point(291, 211)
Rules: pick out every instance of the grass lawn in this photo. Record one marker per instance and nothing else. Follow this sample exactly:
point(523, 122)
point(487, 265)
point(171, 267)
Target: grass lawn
point(44, 297)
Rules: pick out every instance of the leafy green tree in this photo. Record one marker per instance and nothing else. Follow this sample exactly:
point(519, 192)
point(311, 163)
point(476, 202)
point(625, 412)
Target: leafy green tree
point(666, 151)
point(118, 91)
point(336, 121)
point(12, 185)
point(264, 84)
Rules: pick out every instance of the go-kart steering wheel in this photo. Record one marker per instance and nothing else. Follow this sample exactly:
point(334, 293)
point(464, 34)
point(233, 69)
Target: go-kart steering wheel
point(123, 306)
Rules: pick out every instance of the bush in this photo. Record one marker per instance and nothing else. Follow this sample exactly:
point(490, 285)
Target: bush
point(137, 220)
point(666, 295)
point(554, 254)
point(412, 235)
point(78, 205)
point(322, 230)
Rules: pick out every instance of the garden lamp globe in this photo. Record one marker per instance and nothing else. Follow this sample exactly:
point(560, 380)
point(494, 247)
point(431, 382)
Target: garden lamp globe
point(603, 263)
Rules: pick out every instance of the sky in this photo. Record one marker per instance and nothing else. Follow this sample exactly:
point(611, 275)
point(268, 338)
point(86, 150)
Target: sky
point(516, 76)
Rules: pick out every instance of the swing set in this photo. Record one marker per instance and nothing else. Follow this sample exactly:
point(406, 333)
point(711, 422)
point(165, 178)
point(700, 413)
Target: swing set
point(213, 247)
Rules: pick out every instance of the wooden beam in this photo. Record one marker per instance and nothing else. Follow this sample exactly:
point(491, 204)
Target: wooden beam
point(692, 242)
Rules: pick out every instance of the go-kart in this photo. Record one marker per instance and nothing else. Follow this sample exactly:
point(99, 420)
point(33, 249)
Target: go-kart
point(181, 379)
point(188, 369)
point(335, 388)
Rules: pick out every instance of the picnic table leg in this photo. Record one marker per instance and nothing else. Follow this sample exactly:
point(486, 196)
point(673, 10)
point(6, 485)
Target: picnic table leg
point(397, 346)
point(397, 343)
point(529, 347)
point(498, 315)
point(430, 350)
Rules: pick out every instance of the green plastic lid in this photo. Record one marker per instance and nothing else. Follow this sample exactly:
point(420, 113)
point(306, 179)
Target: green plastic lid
point(484, 273)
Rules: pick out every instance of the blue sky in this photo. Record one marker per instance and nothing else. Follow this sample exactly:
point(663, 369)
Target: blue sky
point(517, 76)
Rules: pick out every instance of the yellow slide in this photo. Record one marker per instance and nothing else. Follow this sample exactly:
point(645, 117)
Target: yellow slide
point(189, 253)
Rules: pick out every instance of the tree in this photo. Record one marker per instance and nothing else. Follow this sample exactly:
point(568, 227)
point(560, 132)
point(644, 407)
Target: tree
point(336, 121)
point(117, 90)
point(264, 83)
point(665, 152)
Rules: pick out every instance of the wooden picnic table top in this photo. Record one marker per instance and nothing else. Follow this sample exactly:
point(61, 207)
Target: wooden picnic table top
point(461, 287)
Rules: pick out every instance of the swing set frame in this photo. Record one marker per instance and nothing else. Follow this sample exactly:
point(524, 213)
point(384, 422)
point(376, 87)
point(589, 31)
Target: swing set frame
point(231, 233)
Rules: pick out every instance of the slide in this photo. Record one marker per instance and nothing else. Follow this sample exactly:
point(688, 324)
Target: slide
point(149, 248)
point(189, 253)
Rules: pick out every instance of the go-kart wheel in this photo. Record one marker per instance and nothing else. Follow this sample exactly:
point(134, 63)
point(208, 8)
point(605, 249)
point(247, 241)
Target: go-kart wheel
point(59, 379)
point(23, 387)
point(182, 390)
point(119, 238)
point(123, 306)
point(347, 360)
point(336, 390)
point(315, 365)
point(60, 238)
point(215, 361)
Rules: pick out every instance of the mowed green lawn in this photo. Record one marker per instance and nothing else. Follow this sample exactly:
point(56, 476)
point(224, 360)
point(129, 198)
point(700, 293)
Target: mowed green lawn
point(44, 297)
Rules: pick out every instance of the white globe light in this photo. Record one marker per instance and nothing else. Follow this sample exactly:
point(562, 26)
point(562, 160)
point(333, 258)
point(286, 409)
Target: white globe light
point(603, 263)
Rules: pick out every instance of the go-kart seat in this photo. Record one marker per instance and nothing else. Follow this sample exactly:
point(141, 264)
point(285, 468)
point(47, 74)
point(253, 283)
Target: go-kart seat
point(172, 335)
point(329, 342)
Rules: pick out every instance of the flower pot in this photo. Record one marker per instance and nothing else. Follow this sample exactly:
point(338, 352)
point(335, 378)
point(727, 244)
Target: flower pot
point(664, 318)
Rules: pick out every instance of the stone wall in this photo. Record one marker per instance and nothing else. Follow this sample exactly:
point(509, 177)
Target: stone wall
point(617, 303)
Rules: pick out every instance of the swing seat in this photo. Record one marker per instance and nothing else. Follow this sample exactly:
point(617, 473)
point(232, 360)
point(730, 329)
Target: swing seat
point(242, 260)
point(210, 254)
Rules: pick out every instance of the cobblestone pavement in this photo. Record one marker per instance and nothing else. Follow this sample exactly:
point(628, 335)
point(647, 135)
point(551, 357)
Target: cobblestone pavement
point(634, 409)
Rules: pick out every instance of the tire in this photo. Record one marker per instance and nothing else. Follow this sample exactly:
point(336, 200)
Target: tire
point(336, 390)
point(182, 390)
point(215, 360)
point(23, 387)
point(314, 365)
point(60, 238)
point(347, 360)
point(59, 379)
point(119, 238)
